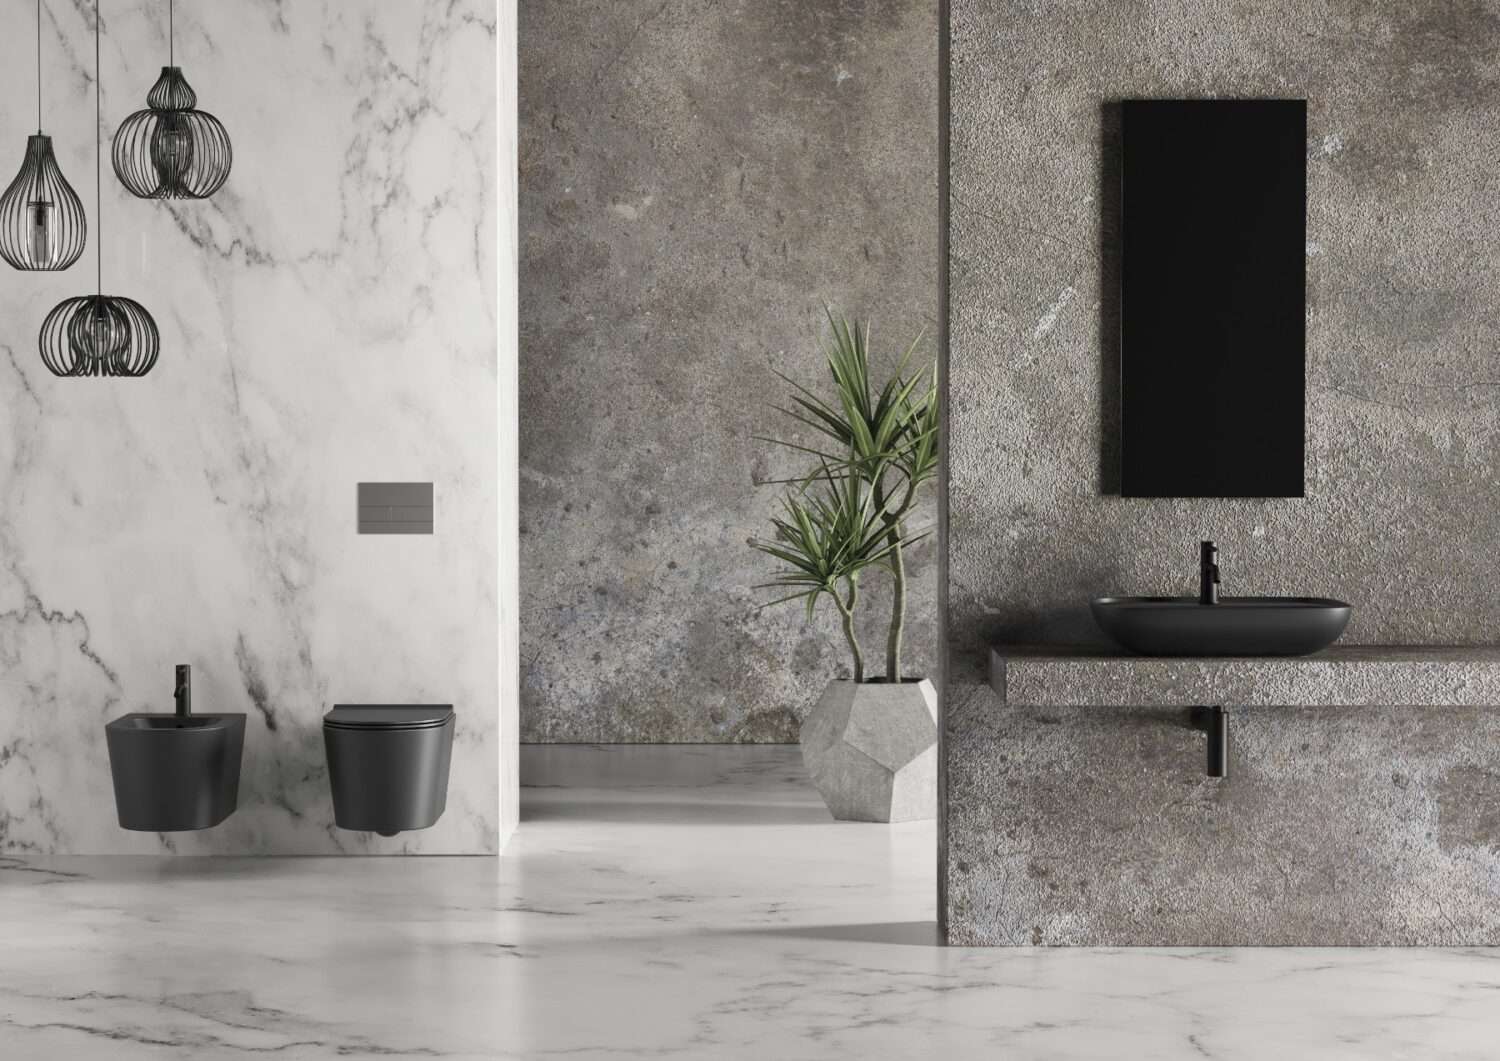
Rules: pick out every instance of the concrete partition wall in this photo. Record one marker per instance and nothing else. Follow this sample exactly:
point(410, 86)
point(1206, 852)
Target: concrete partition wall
point(1072, 825)
point(698, 180)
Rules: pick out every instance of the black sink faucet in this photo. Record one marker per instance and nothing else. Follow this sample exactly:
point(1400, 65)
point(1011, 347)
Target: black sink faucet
point(184, 691)
point(1208, 573)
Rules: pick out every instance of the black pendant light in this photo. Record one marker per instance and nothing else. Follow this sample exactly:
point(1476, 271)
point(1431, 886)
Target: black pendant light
point(172, 151)
point(42, 225)
point(99, 334)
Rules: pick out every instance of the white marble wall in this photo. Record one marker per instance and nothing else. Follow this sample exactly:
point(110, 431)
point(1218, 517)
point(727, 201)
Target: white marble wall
point(328, 317)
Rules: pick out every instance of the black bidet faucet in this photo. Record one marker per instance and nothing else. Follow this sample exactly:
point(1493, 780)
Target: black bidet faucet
point(1208, 573)
point(183, 693)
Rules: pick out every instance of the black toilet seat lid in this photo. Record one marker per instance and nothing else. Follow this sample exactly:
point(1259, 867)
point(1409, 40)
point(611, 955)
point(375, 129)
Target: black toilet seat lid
point(388, 716)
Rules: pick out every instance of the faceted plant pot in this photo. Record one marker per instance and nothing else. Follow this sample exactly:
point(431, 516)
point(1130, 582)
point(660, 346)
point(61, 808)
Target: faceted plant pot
point(871, 749)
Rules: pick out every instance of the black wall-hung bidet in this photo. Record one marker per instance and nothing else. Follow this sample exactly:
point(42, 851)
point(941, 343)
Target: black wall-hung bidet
point(178, 771)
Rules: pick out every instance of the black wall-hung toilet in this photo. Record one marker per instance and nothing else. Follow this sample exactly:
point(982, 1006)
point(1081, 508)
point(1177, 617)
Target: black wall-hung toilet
point(388, 764)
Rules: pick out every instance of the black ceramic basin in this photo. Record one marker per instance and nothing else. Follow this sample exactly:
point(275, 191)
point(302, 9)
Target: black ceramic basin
point(1236, 626)
point(174, 773)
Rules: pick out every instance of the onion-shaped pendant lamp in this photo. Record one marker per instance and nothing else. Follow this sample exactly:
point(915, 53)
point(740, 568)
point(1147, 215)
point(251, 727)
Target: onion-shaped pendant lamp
point(42, 224)
point(171, 150)
point(99, 334)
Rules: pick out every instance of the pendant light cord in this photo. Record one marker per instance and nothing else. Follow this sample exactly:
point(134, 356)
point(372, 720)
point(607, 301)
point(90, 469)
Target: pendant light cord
point(38, 67)
point(171, 35)
point(98, 167)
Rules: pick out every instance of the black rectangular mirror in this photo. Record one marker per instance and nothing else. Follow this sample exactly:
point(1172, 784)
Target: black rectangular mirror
point(1213, 220)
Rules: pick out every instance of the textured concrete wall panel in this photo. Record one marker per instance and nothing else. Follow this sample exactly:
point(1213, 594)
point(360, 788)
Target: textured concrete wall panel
point(1335, 826)
point(697, 179)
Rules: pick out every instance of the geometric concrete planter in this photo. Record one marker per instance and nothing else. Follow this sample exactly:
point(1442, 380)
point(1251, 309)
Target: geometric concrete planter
point(871, 749)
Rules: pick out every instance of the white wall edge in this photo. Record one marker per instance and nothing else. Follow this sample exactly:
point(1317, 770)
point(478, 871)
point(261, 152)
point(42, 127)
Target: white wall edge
point(506, 384)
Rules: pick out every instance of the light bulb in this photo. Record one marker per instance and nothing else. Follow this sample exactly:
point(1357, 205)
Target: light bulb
point(98, 335)
point(40, 231)
point(172, 150)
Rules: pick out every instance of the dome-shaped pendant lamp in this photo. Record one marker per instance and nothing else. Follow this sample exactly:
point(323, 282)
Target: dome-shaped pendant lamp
point(42, 225)
point(99, 334)
point(171, 150)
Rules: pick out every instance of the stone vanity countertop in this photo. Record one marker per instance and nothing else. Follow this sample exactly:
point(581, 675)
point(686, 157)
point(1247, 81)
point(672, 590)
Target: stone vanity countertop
point(1341, 676)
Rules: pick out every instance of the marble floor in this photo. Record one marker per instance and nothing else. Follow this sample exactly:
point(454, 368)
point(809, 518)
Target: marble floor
point(691, 903)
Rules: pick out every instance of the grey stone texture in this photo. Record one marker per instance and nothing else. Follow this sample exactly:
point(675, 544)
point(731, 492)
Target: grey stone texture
point(1341, 676)
point(871, 750)
point(1366, 825)
point(1335, 827)
point(696, 180)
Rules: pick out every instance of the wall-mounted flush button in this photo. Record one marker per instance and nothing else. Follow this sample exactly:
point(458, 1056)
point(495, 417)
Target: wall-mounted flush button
point(395, 508)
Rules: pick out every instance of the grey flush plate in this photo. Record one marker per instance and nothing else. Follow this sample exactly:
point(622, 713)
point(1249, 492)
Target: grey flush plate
point(395, 508)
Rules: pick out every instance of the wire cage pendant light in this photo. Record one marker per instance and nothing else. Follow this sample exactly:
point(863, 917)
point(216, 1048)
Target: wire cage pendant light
point(42, 224)
point(99, 334)
point(172, 150)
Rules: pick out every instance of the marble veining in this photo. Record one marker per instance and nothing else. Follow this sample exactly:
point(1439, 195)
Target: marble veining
point(698, 906)
point(328, 317)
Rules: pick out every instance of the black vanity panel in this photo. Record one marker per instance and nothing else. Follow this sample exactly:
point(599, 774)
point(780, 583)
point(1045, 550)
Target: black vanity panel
point(1212, 326)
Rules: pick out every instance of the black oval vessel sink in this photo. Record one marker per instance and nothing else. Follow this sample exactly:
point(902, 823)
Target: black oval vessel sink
point(1236, 626)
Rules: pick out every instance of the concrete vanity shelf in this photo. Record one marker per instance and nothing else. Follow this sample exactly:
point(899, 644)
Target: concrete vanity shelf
point(1341, 676)
point(1347, 676)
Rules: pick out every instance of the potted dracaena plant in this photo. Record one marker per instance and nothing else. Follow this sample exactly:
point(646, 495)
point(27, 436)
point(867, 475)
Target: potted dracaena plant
point(870, 743)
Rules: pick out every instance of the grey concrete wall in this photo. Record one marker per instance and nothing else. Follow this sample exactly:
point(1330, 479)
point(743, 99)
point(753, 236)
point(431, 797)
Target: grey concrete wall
point(1076, 826)
point(697, 179)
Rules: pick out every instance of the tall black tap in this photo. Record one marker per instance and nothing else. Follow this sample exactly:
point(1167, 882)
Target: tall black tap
point(1208, 573)
point(184, 691)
